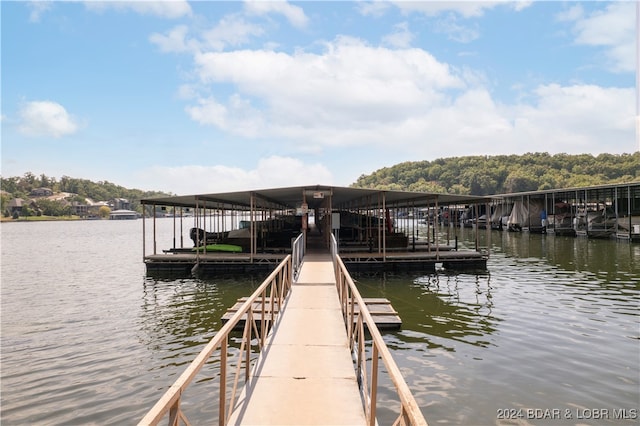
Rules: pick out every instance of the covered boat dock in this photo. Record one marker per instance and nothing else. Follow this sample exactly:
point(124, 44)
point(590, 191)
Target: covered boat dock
point(253, 230)
point(602, 211)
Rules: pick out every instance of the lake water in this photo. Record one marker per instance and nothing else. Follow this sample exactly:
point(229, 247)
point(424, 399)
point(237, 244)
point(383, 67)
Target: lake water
point(549, 334)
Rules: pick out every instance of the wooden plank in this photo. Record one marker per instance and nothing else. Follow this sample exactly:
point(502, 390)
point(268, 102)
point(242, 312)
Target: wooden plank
point(375, 300)
point(257, 311)
point(380, 309)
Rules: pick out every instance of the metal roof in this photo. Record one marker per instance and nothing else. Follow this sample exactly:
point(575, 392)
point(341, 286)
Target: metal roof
point(597, 188)
point(314, 195)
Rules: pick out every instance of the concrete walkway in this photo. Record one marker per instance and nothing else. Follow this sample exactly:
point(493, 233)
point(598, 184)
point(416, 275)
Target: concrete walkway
point(305, 375)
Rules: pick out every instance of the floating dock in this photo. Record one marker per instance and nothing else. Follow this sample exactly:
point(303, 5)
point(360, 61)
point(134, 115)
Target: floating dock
point(263, 223)
point(216, 263)
point(212, 263)
point(385, 317)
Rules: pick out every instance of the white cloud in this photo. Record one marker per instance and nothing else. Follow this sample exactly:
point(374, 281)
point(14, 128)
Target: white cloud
point(38, 8)
point(573, 119)
point(519, 5)
point(237, 116)
point(46, 118)
point(271, 172)
point(294, 14)
point(187, 91)
point(450, 25)
point(357, 95)
point(573, 13)
point(163, 9)
point(466, 9)
point(396, 103)
point(349, 88)
point(209, 111)
point(585, 118)
point(401, 37)
point(232, 30)
point(374, 8)
point(613, 28)
point(175, 41)
point(452, 16)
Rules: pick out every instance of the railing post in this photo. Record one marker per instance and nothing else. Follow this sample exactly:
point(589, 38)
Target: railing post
point(174, 413)
point(169, 404)
point(222, 416)
point(374, 385)
point(352, 311)
point(263, 314)
point(247, 335)
point(410, 413)
point(361, 348)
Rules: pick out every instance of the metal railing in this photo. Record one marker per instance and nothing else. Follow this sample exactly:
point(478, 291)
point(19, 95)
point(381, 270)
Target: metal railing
point(356, 316)
point(297, 253)
point(269, 298)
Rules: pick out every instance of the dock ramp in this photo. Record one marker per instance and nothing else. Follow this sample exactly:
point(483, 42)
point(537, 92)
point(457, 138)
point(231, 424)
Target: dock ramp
point(305, 374)
point(304, 360)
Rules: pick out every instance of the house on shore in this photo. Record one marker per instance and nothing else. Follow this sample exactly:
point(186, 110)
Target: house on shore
point(123, 215)
point(41, 192)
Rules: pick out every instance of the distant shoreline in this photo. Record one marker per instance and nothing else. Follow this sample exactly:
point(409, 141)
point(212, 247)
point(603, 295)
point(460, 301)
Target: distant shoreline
point(43, 219)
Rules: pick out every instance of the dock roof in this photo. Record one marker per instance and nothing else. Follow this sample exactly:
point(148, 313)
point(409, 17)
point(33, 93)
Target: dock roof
point(314, 196)
point(597, 189)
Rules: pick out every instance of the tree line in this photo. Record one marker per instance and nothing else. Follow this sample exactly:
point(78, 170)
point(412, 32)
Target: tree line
point(501, 174)
point(82, 189)
point(468, 175)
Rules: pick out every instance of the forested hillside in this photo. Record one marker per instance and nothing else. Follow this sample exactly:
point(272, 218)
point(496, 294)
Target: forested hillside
point(21, 187)
point(475, 175)
point(486, 175)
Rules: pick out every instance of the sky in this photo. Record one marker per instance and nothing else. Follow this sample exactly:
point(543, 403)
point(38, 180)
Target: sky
point(215, 96)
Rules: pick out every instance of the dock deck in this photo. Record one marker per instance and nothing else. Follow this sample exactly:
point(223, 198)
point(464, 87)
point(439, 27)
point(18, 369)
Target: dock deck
point(356, 261)
point(385, 317)
point(305, 375)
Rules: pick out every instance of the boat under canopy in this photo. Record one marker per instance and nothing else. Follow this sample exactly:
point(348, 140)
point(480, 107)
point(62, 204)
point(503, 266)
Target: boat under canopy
point(264, 222)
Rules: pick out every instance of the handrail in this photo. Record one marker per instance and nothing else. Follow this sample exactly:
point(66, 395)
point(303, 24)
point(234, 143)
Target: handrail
point(355, 321)
point(297, 250)
point(270, 296)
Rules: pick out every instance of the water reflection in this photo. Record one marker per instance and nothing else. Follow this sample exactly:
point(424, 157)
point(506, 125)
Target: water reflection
point(437, 309)
point(187, 312)
point(180, 313)
point(608, 257)
point(178, 317)
point(553, 325)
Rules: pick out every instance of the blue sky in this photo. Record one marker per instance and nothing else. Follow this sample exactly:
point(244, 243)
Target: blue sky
point(214, 96)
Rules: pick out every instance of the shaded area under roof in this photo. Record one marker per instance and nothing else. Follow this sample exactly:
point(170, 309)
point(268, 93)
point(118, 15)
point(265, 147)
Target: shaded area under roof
point(314, 195)
point(604, 189)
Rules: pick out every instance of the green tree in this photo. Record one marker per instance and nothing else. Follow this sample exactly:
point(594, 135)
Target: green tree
point(427, 186)
point(45, 182)
point(520, 181)
point(53, 207)
point(458, 189)
point(484, 175)
point(4, 203)
point(104, 212)
point(26, 211)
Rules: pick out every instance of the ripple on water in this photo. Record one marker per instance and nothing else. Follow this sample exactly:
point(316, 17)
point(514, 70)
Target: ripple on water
point(88, 339)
